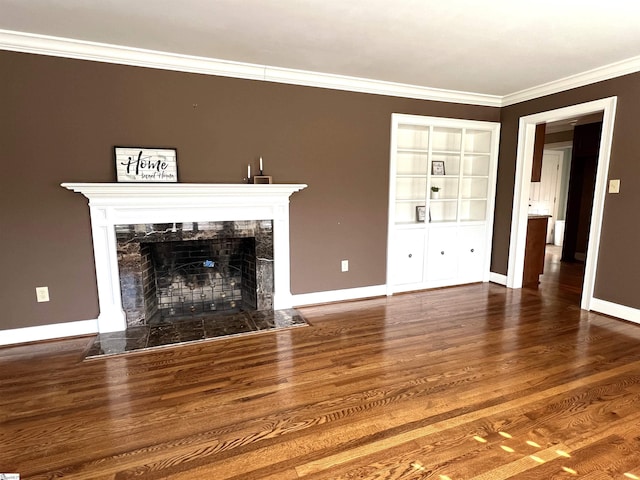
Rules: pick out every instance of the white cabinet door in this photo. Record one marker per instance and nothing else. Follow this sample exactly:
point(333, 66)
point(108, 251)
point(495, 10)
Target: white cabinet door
point(408, 257)
point(442, 254)
point(472, 249)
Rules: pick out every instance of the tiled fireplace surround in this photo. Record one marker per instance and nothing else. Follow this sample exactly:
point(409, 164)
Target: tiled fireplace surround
point(172, 271)
point(219, 211)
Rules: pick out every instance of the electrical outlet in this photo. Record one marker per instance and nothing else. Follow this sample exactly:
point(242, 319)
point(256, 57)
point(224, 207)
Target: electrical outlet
point(42, 294)
point(345, 265)
point(614, 186)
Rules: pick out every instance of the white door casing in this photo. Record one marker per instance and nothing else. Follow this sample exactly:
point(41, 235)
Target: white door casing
point(524, 160)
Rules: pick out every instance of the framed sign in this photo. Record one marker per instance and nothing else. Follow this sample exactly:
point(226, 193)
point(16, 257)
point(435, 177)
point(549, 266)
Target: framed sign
point(437, 167)
point(143, 164)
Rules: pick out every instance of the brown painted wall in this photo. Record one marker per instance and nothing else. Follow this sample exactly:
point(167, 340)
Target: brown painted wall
point(557, 137)
point(619, 261)
point(60, 119)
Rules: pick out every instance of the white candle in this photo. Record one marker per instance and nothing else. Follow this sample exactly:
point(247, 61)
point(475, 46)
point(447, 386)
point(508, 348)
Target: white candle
point(260, 165)
point(248, 171)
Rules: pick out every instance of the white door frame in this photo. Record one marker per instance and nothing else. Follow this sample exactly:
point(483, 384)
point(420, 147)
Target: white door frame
point(524, 160)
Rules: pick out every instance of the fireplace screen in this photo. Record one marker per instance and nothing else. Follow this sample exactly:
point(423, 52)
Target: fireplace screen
point(202, 276)
point(171, 271)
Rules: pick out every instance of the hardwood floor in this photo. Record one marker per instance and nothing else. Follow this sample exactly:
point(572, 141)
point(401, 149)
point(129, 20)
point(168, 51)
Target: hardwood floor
point(472, 382)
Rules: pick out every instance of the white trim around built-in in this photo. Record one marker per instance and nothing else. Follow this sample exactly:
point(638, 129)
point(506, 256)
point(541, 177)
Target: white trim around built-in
point(48, 332)
point(524, 160)
point(102, 52)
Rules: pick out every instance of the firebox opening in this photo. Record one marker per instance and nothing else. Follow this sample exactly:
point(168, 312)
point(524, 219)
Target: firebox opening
point(174, 271)
point(198, 277)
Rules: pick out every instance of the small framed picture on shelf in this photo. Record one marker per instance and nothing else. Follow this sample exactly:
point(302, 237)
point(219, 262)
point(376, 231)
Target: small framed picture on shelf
point(421, 213)
point(437, 167)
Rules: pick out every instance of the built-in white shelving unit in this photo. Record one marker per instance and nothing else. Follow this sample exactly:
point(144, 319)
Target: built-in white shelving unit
point(444, 237)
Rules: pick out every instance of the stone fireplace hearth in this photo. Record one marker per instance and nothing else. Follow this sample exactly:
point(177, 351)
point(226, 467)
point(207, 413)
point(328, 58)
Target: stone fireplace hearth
point(196, 329)
point(117, 207)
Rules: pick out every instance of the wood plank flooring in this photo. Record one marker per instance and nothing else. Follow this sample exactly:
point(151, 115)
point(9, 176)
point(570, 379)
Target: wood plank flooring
point(471, 382)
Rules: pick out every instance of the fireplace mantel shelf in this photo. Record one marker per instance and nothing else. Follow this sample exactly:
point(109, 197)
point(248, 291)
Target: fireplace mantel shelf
point(112, 204)
point(115, 190)
point(182, 188)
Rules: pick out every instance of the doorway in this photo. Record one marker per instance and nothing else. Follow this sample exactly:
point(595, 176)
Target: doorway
point(526, 136)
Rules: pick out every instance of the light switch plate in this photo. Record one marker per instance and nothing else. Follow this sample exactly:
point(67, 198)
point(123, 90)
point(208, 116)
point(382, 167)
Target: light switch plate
point(614, 186)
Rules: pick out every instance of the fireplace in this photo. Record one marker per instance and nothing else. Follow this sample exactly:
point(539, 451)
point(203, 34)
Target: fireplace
point(174, 271)
point(142, 214)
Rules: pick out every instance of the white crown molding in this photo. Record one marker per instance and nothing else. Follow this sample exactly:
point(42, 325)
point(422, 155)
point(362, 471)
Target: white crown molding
point(378, 87)
point(606, 72)
point(101, 52)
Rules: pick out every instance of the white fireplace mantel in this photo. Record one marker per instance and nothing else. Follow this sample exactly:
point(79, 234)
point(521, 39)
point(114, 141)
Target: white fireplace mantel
point(113, 204)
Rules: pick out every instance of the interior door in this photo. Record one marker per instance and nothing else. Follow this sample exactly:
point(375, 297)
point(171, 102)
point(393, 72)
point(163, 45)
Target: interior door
point(544, 194)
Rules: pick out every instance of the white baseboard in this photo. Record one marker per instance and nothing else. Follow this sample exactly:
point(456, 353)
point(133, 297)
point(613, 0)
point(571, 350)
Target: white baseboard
point(47, 332)
point(87, 327)
point(339, 295)
point(615, 310)
point(498, 278)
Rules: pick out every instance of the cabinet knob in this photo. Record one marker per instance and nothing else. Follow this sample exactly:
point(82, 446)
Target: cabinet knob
point(442, 252)
point(472, 250)
point(410, 255)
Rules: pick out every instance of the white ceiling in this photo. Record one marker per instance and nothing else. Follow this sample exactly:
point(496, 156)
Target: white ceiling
point(493, 47)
